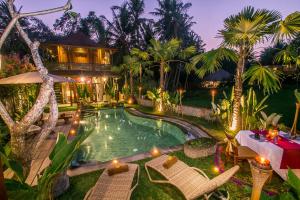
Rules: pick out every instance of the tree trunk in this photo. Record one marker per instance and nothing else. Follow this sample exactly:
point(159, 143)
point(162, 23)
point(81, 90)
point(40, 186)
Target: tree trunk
point(141, 72)
point(131, 83)
point(162, 75)
point(238, 90)
point(18, 129)
point(162, 87)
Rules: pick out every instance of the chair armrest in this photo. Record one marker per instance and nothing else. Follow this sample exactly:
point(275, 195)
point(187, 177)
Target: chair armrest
point(150, 178)
point(200, 171)
point(87, 195)
point(224, 177)
point(138, 177)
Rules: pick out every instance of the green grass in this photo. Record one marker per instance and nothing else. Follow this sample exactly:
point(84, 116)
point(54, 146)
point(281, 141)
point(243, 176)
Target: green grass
point(152, 191)
point(79, 185)
point(282, 102)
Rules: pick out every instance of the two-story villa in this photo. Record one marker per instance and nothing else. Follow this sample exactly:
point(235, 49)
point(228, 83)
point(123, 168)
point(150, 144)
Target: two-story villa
point(88, 63)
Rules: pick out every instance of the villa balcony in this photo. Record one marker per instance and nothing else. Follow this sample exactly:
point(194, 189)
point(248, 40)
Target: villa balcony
point(78, 67)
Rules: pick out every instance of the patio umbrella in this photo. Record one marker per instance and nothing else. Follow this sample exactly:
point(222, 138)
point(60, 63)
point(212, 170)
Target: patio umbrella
point(32, 77)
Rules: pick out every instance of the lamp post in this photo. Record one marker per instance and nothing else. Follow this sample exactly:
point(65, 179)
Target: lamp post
point(140, 91)
point(294, 127)
point(213, 93)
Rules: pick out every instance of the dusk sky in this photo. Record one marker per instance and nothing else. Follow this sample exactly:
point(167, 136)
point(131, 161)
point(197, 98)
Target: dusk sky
point(208, 14)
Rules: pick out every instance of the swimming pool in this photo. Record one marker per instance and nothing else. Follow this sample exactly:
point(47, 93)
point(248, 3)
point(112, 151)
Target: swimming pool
point(117, 133)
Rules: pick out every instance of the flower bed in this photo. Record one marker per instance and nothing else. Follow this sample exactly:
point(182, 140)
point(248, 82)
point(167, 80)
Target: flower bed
point(200, 147)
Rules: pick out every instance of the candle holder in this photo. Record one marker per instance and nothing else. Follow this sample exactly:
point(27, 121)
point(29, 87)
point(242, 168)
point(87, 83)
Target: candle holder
point(261, 171)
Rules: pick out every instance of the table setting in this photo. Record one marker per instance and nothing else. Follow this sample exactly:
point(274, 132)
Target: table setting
point(276, 146)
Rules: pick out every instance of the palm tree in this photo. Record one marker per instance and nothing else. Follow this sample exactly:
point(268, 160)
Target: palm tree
point(134, 69)
point(125, 29)
point(164, 54)
point(240, 34)
point(173, 20)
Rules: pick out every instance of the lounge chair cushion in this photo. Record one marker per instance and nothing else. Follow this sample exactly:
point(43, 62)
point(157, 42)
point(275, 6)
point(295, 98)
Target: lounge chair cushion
point(171, 160)
point(117, 170)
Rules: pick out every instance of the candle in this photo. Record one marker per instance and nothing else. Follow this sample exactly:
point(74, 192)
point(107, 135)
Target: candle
point(262, 160)
point(155, 152)
point(72, 132)
point(216, 169)
point(115, 163)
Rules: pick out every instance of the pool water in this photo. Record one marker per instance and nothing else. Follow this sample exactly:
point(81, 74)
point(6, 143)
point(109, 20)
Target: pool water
point(116, 134)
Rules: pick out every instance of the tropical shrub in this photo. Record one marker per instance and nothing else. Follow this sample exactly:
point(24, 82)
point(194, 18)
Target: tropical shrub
point(293, 191)
point(250, 107)
point(60, 157)
point(83, 93)
point(269, 121)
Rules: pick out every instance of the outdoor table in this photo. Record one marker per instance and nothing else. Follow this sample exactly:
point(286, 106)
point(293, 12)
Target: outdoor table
point(273, 152)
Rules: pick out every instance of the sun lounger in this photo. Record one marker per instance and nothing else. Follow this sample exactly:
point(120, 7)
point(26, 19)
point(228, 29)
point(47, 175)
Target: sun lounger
point(115, 187)
point(191, 181)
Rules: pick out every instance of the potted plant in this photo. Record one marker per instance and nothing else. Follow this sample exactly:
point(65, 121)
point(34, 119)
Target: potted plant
point(200, 147)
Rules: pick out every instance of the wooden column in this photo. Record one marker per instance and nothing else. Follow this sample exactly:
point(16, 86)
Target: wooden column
point(294, 128)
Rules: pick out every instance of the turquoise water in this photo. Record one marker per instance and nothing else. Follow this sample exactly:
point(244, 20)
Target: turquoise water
point(119, 134)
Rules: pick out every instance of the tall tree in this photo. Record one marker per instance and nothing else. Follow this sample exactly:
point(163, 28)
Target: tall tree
point(163, 54)
point(241, 33)
point(68, 23)
point(36, 29)
point(94, 26)
point(175, 22)
point(46, 94)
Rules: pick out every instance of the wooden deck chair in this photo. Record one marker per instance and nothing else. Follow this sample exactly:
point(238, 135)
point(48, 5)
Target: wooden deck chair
point(115, 187)
point(191, 181)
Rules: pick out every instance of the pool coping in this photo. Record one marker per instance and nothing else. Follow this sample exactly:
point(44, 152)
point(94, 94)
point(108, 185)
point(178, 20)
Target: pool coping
point(97, 165)
point(173, 120)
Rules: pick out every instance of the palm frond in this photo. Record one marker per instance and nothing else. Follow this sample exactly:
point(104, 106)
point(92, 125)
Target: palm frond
point(212, 60)
point(287, 28)
point(265, 77)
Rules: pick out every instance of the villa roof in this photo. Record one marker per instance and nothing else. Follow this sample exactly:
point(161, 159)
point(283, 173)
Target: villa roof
point(221, 75)
point(77, 39)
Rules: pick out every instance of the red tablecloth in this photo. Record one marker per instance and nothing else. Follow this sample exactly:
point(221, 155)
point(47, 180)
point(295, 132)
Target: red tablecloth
point(291, 152)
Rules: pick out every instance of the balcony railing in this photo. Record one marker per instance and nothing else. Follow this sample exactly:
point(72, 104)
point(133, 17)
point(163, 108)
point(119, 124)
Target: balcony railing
point(78, 66)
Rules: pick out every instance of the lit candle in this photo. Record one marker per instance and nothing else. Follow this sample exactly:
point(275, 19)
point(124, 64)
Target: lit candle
point(72, 132)
point(115, 163)
point(262, 160)
point(75, 122)
point(155, 152)
point(216, 169)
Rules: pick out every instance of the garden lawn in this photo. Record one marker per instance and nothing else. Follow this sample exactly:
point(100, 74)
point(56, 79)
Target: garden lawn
point(282, 102)
point(152, 191)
